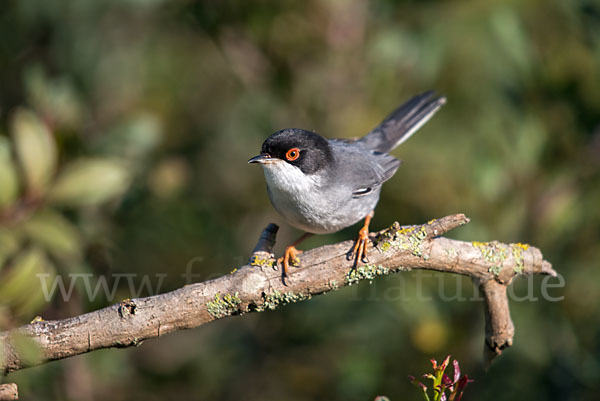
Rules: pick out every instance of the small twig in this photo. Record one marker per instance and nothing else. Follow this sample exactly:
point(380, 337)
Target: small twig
point(258, 287)
point(266, 242)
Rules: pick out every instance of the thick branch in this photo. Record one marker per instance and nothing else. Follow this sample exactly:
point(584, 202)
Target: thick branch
point(258, 287)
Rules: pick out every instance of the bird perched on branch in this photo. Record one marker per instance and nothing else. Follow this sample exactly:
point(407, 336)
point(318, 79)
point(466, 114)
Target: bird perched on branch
point(323, 185)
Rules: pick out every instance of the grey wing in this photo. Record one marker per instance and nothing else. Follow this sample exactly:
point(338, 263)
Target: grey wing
point(362, 170)
point(372, 174)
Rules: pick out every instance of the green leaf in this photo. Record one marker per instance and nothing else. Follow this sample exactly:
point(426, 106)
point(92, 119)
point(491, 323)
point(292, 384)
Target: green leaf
point(90, 182)
point(9, 180)
point(133, 139)
point(36, 299)
point(36, 150)
point(512, 38)
point(54, 97)
point(51, 230)
point(22, 280)
point(10, 242)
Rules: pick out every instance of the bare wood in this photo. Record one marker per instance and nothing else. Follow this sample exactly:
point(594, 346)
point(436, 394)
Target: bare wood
point(258, 287)
point(499, 328)
point(9, 392)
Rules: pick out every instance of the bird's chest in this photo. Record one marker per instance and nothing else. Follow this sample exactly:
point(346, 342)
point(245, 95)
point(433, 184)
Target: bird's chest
point(293, 192)
point(310, 202)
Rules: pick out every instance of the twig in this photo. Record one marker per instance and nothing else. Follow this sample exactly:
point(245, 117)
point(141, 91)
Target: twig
point(258, 287)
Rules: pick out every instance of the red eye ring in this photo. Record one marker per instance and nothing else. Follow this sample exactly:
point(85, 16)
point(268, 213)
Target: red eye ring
point(292, 154)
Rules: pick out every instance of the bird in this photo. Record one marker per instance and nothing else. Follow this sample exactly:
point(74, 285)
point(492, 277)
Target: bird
point(322, 185)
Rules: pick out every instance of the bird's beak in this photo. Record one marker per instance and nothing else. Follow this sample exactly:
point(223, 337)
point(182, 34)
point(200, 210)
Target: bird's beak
point(263, 158)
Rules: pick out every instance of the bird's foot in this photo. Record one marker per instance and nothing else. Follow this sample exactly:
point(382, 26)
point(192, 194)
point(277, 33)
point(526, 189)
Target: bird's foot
point(359, 252)
point(290, 257)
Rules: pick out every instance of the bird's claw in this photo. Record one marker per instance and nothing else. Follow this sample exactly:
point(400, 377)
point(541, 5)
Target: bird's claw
point(359, 251)
point(290, 257)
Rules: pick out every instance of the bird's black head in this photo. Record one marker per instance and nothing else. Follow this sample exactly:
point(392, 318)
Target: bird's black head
point(304, 149)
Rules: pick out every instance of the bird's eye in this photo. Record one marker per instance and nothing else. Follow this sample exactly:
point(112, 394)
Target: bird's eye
point(292, 154)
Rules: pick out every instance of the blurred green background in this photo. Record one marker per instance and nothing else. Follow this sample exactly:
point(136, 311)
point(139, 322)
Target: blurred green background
point(125, 127)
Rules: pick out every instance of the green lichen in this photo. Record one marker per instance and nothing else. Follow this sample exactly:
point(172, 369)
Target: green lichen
point(404, 238)
point(493, 253)
point(384, 240)
point(366, 272)
point(225, 305)
point(495, 269)
point(276, 299)
point(517, 252)
point(451, 252)
point(415, 240)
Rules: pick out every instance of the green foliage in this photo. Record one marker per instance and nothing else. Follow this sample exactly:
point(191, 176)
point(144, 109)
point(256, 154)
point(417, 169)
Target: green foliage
point(20, 286)
point(89, 182)
point(35, 149)
point(125, 127)
point(37, 240)
point(55, 233)
point(443, 387)
point(9, 182)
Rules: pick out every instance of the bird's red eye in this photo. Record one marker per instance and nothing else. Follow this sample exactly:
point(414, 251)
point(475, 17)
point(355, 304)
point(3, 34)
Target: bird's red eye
point(292, 154)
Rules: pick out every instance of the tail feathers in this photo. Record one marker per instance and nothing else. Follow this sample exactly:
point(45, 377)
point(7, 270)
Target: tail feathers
point(403, 122)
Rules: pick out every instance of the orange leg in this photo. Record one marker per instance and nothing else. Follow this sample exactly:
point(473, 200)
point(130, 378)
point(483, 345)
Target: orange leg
point(291, 254)
point(360, 248)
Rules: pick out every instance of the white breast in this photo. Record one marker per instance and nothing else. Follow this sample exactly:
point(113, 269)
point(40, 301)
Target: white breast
point(296, 196)
point(310, 203)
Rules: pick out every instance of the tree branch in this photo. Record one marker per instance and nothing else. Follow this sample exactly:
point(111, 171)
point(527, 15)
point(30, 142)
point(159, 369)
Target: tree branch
point(258, 287)
point(9, 392)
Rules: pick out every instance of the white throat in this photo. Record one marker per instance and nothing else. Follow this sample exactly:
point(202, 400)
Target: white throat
point(286, 178)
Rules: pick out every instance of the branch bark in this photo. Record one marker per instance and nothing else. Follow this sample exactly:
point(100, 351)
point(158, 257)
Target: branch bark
point(258, 287)
point(9, 392)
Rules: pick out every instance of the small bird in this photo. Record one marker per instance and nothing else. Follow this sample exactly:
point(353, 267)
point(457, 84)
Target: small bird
point(323, 185)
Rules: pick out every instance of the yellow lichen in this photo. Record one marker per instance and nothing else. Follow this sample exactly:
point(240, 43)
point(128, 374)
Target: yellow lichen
point(405, 230)
point(386, 246)
point(258, 260)
point(517, 252)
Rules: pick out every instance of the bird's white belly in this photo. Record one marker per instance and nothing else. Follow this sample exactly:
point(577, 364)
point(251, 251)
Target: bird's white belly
point(308, 205)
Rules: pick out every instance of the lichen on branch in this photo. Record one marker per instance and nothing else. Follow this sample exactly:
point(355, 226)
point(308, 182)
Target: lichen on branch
point(258, 286)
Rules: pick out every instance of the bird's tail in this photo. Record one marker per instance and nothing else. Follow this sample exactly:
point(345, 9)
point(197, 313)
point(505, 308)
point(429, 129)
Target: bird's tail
point(403, 122)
